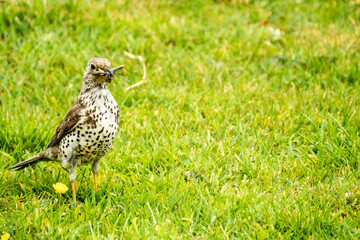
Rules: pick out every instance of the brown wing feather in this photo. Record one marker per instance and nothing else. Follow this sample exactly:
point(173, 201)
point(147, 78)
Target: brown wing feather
point(68, 123)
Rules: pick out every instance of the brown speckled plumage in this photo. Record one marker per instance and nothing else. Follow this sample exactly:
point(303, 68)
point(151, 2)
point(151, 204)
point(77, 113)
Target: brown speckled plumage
point(89, 129)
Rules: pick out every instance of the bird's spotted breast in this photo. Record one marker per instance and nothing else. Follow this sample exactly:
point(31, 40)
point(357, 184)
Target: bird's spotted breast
point(96, 132)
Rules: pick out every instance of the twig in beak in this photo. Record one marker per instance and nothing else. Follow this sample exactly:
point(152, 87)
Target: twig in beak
point(117, 68)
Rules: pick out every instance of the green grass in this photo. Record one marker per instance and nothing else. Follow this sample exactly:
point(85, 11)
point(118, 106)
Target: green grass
point(239, 133)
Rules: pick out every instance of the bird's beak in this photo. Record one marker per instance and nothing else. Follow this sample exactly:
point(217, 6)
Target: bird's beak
point(108, 73)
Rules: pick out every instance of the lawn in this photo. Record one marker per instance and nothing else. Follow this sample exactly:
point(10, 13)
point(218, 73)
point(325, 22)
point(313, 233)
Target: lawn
point(247, 125)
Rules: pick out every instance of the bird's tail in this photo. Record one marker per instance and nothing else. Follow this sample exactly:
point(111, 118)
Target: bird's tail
point(30, 161)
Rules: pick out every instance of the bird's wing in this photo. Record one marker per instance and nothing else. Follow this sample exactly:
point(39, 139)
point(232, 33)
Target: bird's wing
point(68, 123)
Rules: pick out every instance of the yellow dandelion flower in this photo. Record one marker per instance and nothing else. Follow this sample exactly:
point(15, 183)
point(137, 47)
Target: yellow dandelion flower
point(5, 236)
point(53, 100)
point(60, 188)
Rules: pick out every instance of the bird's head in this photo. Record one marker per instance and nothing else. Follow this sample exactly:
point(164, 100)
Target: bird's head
point(98, 70)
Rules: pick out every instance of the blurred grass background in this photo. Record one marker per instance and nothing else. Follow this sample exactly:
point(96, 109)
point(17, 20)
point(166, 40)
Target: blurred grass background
point(246, 128)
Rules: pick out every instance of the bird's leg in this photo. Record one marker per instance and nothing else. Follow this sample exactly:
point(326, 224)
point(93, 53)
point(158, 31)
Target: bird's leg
point(94, 174)
point(73, 191)
point(94, 169)
point(72, 176)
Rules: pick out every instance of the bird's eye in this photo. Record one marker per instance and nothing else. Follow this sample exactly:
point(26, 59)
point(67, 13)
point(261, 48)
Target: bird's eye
point(92, 66)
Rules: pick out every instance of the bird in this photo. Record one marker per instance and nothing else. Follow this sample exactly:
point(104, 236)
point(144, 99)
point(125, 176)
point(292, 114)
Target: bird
point(88, 130)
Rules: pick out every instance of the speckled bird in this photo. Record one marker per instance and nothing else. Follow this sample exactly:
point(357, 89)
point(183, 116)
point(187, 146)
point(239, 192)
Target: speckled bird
point(89, 129)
